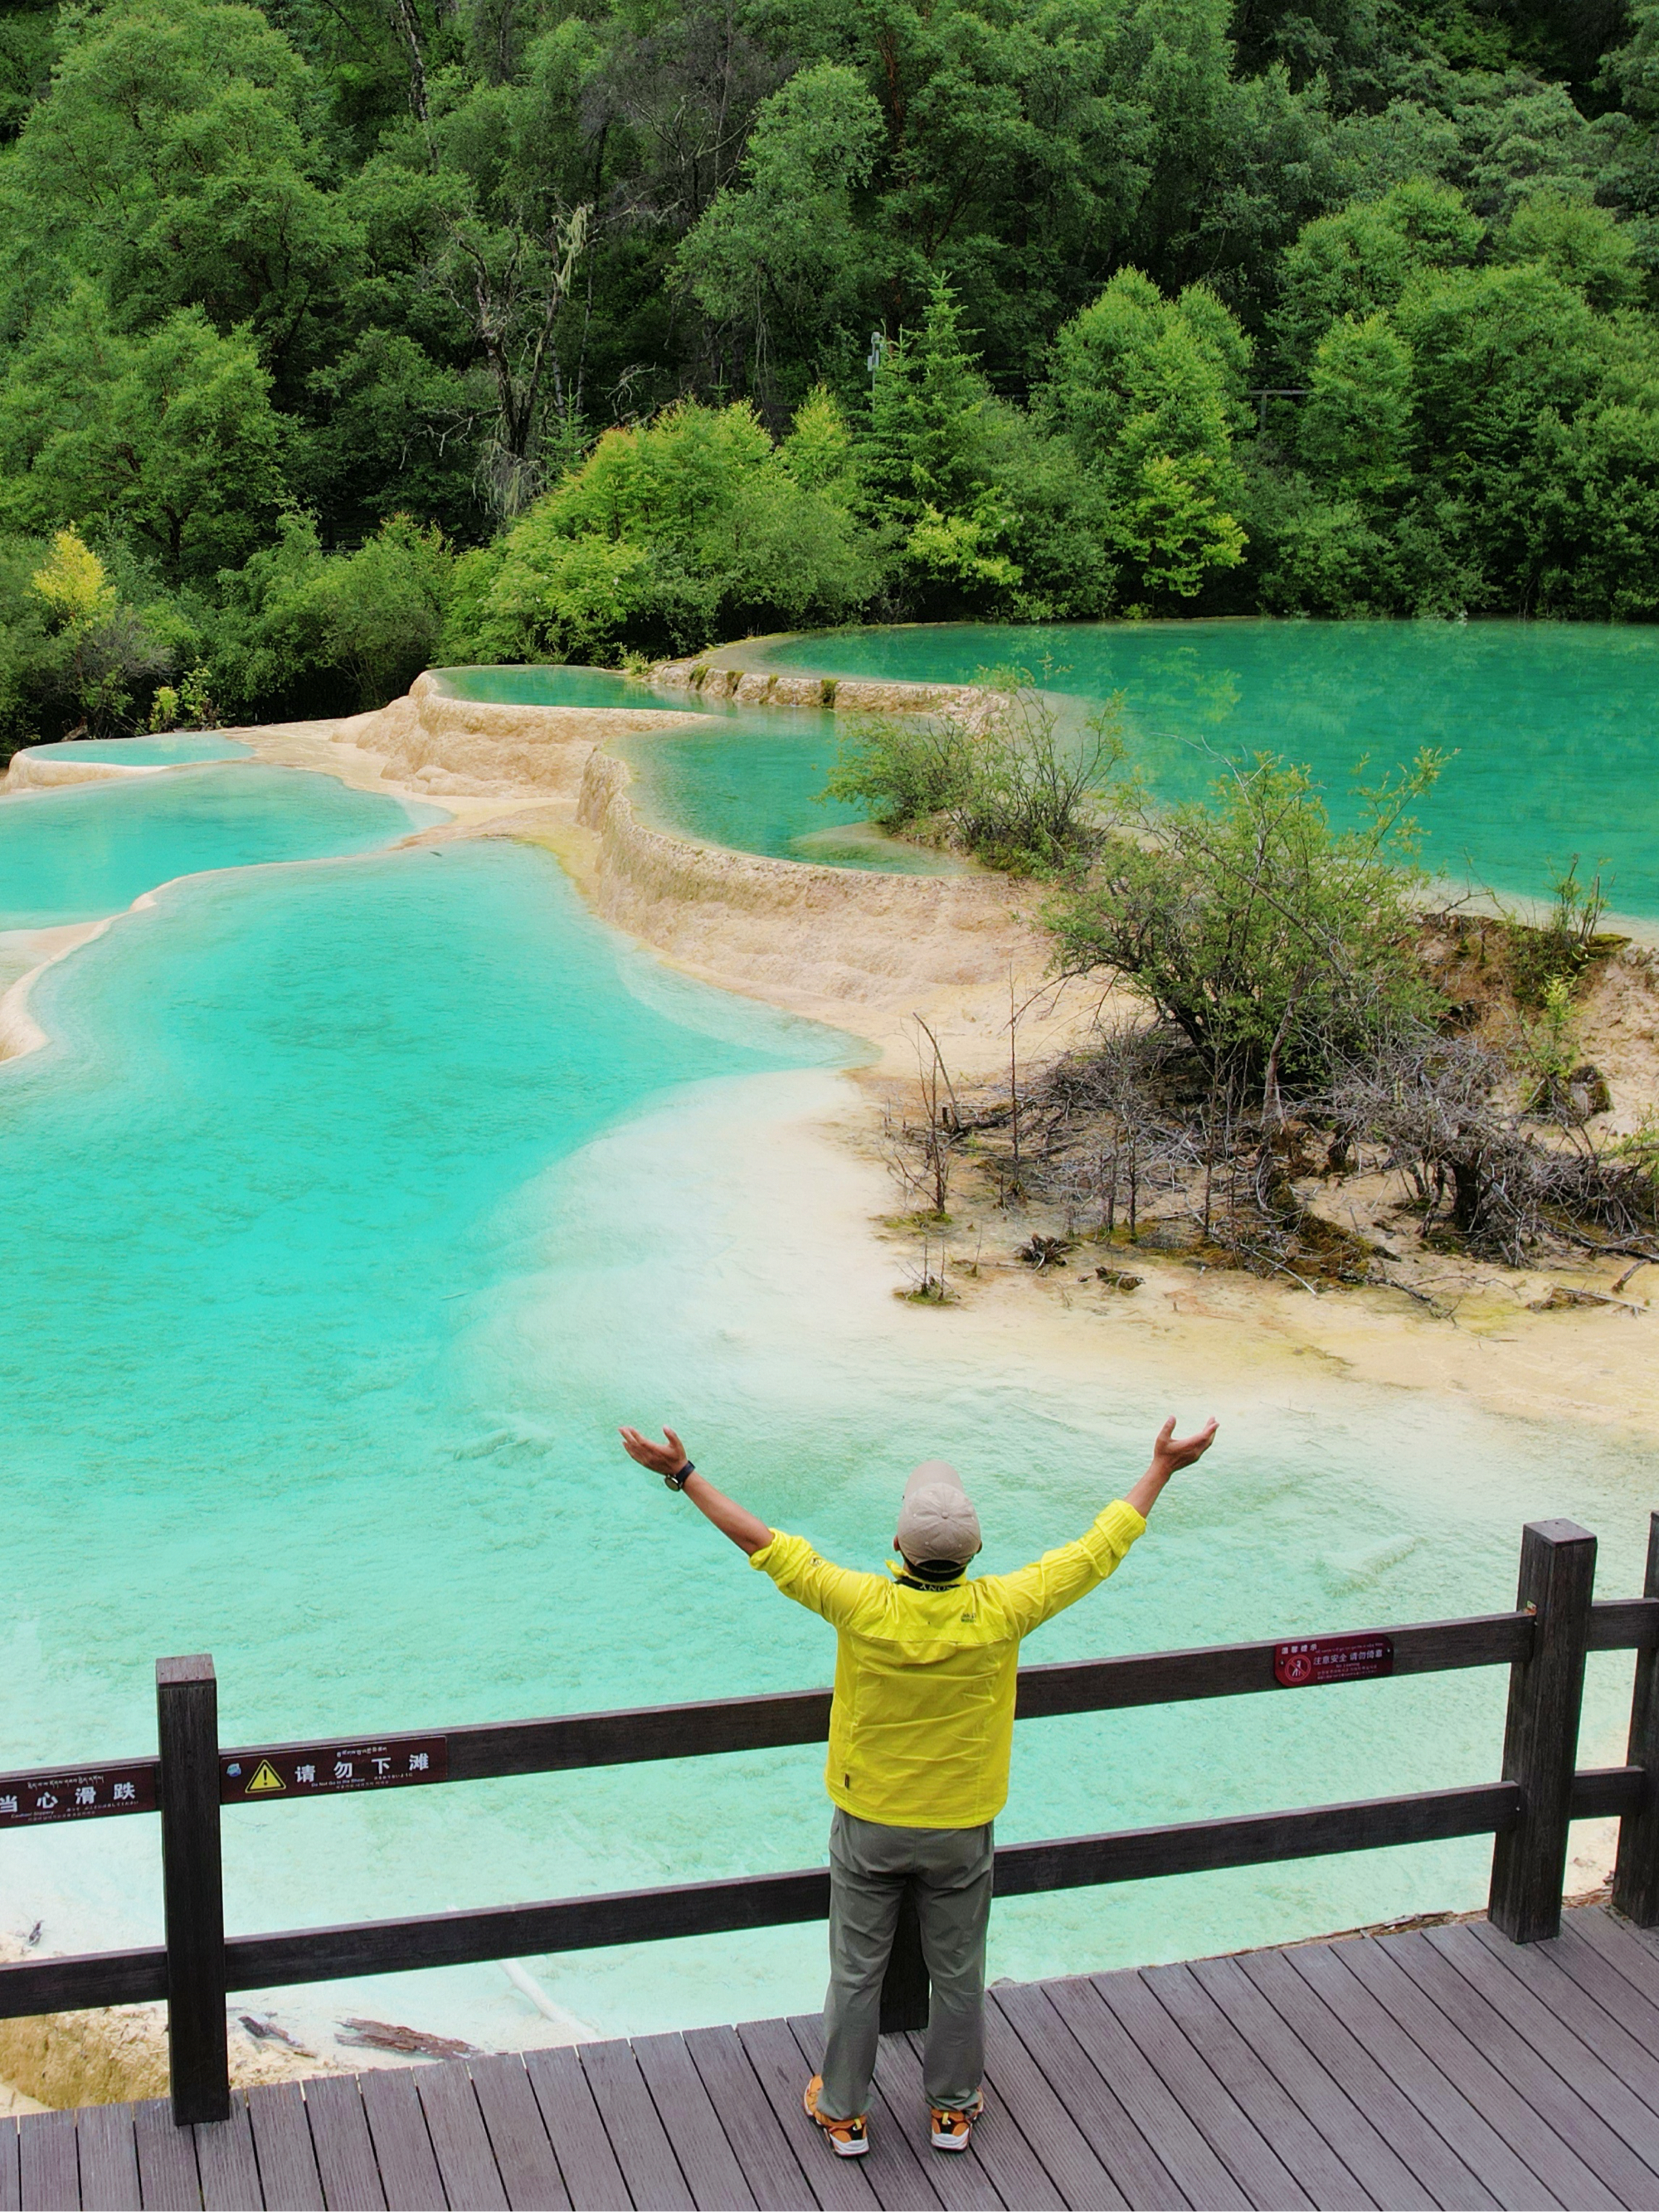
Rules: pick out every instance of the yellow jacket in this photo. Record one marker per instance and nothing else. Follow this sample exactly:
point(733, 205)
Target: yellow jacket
point(922, 1722)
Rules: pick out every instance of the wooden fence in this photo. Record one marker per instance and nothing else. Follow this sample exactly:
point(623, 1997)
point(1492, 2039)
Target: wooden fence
point(1556, 1622)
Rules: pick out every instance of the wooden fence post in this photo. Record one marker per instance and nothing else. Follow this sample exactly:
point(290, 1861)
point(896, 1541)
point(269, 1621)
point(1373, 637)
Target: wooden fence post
point(1636, 1876)
point(1540, 1737)
point(187, 1735)
point(904, 1989)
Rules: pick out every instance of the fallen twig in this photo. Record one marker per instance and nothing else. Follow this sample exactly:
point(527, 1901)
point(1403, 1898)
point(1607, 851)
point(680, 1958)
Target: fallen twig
point(1440, 1312)
point(1252, 1252)
point(1643, 1255)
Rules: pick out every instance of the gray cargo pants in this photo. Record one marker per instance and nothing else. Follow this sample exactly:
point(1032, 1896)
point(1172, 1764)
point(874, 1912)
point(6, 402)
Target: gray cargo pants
point(950, 1869)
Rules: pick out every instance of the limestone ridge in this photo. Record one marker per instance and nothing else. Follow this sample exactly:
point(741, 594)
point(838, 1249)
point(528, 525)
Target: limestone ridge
point(436, 742)
point(711, 679)
point(798, 934)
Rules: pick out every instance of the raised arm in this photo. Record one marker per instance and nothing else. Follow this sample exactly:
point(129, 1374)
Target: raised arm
point(1035, 1594)
point(733, 1520)
point(1170, 1453)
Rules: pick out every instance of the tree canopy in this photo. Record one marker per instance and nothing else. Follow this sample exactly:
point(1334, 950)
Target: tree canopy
point(624, 324)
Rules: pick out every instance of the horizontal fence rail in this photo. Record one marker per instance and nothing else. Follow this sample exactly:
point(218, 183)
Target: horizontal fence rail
point(492, 1750)
point(1543, 1642)
point(718, 1908)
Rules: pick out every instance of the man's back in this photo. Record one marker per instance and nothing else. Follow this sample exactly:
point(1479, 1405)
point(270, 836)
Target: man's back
point(922, 1728)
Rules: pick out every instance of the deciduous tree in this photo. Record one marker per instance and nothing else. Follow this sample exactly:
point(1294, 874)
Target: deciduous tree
point(172, 431)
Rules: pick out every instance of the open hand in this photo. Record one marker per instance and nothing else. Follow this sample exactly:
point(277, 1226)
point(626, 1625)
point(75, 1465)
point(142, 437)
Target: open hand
point(663, 1459)
point(1171, 1453)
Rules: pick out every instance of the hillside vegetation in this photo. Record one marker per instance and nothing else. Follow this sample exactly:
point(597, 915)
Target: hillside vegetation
point(347, 334)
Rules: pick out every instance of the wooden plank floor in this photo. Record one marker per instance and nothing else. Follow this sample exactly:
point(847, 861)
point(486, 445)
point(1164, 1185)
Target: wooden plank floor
point(1443, 2067)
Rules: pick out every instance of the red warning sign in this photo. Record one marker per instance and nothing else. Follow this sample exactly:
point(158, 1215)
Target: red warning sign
point(1313, 1660)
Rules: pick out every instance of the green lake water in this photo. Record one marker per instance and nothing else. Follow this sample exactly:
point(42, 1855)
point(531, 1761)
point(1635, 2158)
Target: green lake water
point(749, 779)
point(353, 1203)
point(1553, 727)
point(548, 686)
point(1551, 730)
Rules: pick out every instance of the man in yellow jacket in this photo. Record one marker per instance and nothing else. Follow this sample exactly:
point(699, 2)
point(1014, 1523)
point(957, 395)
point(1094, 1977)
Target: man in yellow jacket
point(921, 1730)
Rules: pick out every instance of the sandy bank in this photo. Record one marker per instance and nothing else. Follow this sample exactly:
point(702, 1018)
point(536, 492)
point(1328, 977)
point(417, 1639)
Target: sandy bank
point(1585, 1364)
point(25, 954)
point(29, 772)
point(855, 947)
point(105, 2057)
point(441, 747)
point(719, 675)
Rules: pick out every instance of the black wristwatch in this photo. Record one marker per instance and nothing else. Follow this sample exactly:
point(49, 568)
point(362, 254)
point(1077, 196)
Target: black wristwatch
point(678, 1481)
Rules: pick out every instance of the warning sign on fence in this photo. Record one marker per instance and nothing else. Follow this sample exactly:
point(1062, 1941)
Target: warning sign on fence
point(1312, 1660)
point(318, 1770)
point(88, 1793)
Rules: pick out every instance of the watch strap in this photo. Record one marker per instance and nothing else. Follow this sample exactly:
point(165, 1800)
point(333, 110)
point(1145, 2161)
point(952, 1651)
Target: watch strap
point(677, 1480)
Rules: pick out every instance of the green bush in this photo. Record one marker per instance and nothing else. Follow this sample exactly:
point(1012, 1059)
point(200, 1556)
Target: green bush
point(910, 771)
point(313, 631)
point(1005, 785)
point(1278, 948)
point(691, 527)
point(76, 652)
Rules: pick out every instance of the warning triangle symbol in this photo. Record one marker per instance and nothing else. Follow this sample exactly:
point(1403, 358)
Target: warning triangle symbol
point(265, 1778)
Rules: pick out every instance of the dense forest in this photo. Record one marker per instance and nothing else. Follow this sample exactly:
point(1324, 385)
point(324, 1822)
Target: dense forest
point(337, 337)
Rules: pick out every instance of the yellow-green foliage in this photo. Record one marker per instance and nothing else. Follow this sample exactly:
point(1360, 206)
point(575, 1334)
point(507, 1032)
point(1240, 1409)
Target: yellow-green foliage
point(73, 581)
point(818, 450)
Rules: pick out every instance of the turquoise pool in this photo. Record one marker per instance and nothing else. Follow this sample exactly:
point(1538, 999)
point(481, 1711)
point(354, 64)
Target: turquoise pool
point(748, 780)
point(547, 686)
point(88, 849)
point(353, 1203)
point(1554, 727)
point(178, 750)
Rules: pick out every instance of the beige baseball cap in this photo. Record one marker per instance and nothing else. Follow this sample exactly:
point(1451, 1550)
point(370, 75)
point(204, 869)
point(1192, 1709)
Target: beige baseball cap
point(936, 1521)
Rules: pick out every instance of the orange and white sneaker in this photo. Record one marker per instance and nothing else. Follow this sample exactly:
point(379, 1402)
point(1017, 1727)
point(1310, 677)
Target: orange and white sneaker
point(847, 2138)
point(953, 2130)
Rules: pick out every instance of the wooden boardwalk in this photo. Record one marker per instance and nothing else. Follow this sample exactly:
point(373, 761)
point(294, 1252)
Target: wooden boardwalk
point(1441, 2068)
